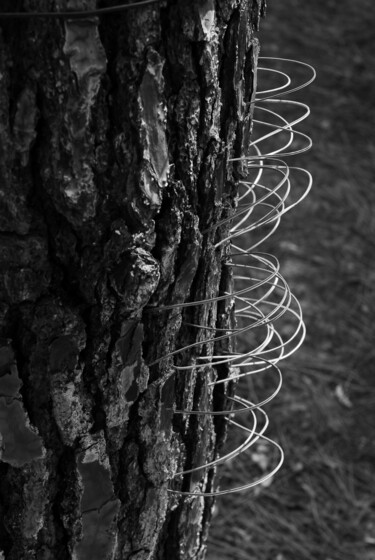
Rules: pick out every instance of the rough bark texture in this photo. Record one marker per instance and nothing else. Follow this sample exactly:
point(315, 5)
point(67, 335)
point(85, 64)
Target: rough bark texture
point(115, 135)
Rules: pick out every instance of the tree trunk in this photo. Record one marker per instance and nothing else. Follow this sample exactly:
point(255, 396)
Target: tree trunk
point(115, 134)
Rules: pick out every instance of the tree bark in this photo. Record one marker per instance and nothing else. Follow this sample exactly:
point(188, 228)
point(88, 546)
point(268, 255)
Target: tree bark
point(115, 134)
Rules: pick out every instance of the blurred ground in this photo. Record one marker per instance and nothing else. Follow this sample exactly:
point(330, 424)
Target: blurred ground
point(321, 505)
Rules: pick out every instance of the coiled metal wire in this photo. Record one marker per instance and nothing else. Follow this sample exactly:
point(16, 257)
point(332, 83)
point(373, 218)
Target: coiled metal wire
point(264, 305)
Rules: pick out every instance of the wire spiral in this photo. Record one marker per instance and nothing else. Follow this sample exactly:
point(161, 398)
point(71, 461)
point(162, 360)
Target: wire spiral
point(262, 298)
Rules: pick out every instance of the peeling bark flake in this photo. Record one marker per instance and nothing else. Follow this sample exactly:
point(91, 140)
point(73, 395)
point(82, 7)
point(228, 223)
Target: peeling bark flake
point(24, 126)
point(19, 442)
point(99, 507)
point(36, 498)
point(159, 463)
point(71, 406)
point(155, 152)
point(207, 18)
point(73, 186)
point(189, 525)
point(86, 55)
point(126, 378)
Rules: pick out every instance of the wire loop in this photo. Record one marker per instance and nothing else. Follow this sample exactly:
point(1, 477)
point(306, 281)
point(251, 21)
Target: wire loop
point(71, 14)
point(262, 298)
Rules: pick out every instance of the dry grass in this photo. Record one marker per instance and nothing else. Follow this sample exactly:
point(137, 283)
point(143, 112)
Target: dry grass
point(321, 506)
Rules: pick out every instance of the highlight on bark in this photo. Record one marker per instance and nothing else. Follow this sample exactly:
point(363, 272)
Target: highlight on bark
point(263, 296)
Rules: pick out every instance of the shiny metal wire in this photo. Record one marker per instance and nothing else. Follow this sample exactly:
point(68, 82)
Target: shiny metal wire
point(262, 298)
point(78, 14)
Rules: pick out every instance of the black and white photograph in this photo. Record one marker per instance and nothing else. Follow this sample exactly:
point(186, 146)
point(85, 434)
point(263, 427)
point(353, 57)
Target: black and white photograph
point(187, 280)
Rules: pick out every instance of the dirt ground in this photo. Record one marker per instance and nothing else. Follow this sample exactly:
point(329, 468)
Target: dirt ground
point(321, 505)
